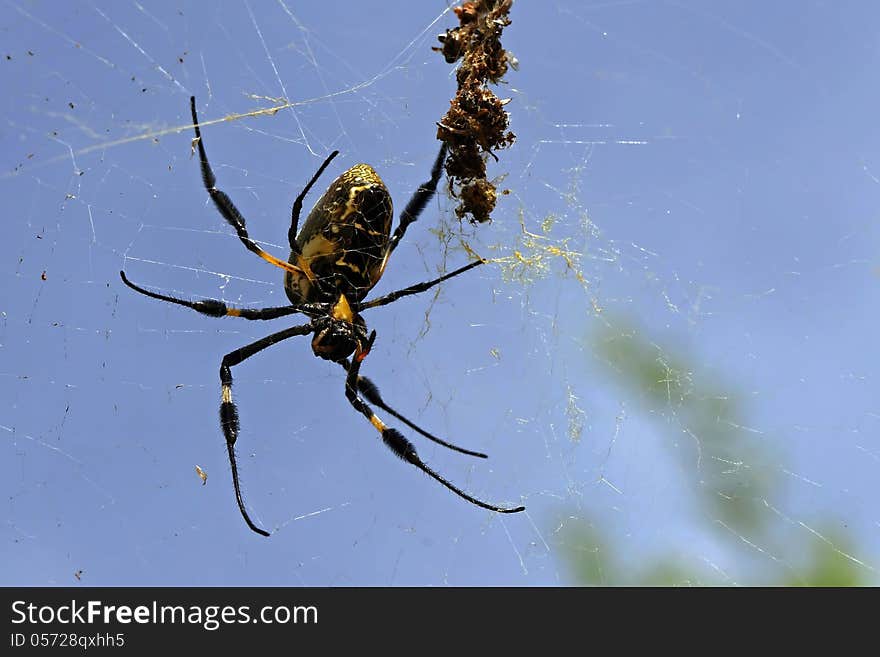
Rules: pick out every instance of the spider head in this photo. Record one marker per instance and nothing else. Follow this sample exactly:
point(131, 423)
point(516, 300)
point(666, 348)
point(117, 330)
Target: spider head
point(339, 333)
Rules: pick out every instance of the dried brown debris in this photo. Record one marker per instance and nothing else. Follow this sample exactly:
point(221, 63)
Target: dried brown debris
point(476, 123)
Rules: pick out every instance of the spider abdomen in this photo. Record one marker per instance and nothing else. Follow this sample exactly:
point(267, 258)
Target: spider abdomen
point(344, 240)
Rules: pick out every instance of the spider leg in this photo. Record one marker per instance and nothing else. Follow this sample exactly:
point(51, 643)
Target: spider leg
point(419, 200)
point(395, 440)
point(416, 289)
point(298, 203)
point(229, 412)
point(225, 205)
point(369, 390)
point(215, 307)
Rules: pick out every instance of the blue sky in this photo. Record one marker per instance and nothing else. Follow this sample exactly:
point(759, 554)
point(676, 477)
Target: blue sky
point(710, 168)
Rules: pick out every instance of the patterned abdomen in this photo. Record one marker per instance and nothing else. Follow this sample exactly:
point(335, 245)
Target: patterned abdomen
point(343, 240)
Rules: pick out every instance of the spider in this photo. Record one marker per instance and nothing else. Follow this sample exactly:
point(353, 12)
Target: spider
point(335, 260)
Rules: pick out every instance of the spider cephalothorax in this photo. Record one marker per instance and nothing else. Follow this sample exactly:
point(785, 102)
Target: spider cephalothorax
point(340, 333)
point(335, 260)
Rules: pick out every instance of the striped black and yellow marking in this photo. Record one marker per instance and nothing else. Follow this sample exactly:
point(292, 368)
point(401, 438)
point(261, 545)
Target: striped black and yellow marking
point(379, 424)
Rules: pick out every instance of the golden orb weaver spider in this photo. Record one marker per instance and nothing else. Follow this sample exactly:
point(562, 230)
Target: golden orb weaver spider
point(335, 260)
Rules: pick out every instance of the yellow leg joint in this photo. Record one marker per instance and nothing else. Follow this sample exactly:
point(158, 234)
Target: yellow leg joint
point(306, 269)
point(286, 266)
point(379, 424)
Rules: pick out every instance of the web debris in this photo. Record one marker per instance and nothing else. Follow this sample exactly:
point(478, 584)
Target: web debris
point(476, 122)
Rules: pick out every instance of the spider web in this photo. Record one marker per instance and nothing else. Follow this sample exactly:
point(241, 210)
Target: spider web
point(668, 361)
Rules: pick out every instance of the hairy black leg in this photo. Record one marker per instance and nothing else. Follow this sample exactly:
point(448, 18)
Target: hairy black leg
point(215, 307)
point(419, 200)
point(395, 440)
point(415, 289)
point(229, 412)
point(369, 390)
point(225, 205)
point(298, 203)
